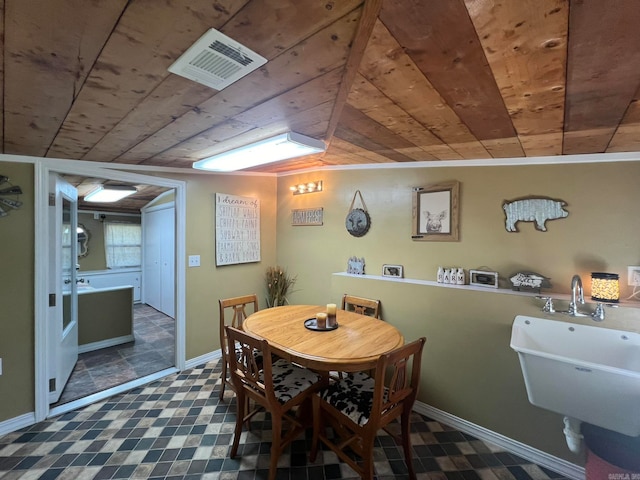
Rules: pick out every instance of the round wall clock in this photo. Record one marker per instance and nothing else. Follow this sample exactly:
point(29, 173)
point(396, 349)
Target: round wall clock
point(358, 220)
point(9, 196)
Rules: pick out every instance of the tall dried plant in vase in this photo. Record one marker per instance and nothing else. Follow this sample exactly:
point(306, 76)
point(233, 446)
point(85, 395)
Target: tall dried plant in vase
point(278, 283)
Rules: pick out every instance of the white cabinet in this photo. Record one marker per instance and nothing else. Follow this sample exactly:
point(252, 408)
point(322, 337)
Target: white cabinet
point(158, 264)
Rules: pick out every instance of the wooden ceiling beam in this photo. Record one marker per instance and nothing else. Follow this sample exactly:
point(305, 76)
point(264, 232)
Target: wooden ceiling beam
point(358, 45)
point(355, 120)
point(443, 44)
point(366, 143)
point(525, 43)
point(602, 72)
point(316, 92)
point(369, 100)
point(49, 49)
point(395, 74)
point(149, 37)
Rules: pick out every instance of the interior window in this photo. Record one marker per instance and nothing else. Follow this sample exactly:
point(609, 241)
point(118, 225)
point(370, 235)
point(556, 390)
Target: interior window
point(123, 244)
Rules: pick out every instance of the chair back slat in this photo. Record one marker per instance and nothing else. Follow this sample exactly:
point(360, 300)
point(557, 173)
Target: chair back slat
point(259, 378)
point(361, 305)
point(233, 311)
point(394, 385)
point(237, 307)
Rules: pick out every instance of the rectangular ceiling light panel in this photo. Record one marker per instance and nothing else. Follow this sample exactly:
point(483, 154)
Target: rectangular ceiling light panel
point(216, 61)
point(280, 147)
point(109, 194)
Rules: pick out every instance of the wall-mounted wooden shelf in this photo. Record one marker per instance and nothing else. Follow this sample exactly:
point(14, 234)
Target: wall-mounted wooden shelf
point(504, 291)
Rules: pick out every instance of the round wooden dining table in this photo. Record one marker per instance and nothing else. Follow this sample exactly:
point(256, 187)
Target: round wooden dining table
point(354, 346)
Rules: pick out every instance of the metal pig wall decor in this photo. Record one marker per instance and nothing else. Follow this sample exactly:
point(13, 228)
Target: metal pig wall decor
point(533, 209)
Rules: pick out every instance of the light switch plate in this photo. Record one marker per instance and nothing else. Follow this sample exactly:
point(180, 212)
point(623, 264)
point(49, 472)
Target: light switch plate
point(633, 276)
point(194, 260)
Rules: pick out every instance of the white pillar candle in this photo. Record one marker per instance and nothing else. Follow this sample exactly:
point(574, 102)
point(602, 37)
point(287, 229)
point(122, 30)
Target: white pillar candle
point(331, 308)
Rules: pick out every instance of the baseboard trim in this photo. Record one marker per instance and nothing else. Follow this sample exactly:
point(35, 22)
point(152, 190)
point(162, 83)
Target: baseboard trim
point(111, 342)
point(16, 423)
point(568, 469)
point(207, 357)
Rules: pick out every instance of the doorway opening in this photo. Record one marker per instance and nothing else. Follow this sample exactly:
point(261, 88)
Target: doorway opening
point(43, 170)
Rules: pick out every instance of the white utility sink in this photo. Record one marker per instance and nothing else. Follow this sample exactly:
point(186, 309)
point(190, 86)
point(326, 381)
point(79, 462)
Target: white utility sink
point(588, 373)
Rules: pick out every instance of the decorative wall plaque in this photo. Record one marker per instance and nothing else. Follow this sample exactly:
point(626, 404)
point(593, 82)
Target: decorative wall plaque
point(358, 220)
point(533, 209)
point(307, 216)
point(237, 229)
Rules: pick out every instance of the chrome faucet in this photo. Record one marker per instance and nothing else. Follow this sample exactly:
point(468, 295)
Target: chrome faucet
point(577, 295)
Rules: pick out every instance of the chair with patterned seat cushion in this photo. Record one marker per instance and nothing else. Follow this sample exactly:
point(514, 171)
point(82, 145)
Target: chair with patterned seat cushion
point(233, 311)
point(359, 405)
point(361, 305)
point(277, 387)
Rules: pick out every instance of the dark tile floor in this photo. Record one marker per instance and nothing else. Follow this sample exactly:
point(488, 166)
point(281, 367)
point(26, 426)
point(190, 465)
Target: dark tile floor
point(176, 428)
point(152, 351)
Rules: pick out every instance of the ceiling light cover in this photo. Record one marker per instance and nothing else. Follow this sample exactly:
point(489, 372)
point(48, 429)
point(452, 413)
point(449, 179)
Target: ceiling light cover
point(280, 147)
point(109, 193)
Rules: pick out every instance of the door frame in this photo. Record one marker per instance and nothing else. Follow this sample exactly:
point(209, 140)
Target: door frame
point(43, 167)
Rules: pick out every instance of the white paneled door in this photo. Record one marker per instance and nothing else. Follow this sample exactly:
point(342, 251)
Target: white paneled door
point(62, 330)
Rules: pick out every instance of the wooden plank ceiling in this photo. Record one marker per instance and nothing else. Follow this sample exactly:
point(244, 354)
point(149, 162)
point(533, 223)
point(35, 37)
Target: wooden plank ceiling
point(378, 80)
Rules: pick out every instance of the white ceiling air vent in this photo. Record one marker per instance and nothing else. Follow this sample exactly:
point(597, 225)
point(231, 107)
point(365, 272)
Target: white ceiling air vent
point(216, 61)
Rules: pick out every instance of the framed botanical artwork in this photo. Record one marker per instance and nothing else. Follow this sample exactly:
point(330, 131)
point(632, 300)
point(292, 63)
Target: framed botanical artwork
point(389, 270)
point(435, 212)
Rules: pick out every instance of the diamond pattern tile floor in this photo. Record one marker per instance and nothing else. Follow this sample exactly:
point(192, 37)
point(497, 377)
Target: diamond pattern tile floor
point(176, 428)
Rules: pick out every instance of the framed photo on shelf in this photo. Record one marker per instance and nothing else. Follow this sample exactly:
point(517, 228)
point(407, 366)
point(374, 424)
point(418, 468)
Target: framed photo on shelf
point(392, 270)
point(435, 212)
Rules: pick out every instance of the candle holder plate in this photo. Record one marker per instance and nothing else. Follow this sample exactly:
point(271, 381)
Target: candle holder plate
point(312, 324)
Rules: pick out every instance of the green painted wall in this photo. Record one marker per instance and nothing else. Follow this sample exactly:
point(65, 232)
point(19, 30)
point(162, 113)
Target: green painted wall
point(208, 283)
point(469, 370)
point(16, 297)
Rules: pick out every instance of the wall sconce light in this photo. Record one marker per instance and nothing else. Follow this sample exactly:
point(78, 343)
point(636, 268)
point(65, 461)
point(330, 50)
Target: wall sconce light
point(309, 187)
point(605, 288)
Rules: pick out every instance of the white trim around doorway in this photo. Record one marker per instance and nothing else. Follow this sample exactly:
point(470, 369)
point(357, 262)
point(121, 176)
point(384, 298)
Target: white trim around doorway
point(43, 167)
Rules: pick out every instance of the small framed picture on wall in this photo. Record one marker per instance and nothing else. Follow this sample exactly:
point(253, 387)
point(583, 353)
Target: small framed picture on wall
point(435, 212)
point(389, 270)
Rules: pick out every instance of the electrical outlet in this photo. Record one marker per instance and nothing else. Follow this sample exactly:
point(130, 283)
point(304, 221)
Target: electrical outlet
point(633, 276)
point(194, 260)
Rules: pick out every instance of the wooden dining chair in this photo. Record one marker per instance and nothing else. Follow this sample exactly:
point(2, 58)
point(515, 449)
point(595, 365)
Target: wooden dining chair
point(361, 305)
point(359, 405)
point(277, 387)
point(233, 311)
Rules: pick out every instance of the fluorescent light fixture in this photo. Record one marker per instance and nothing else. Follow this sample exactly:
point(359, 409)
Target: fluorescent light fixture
point(109, 193)
point(280, 147)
